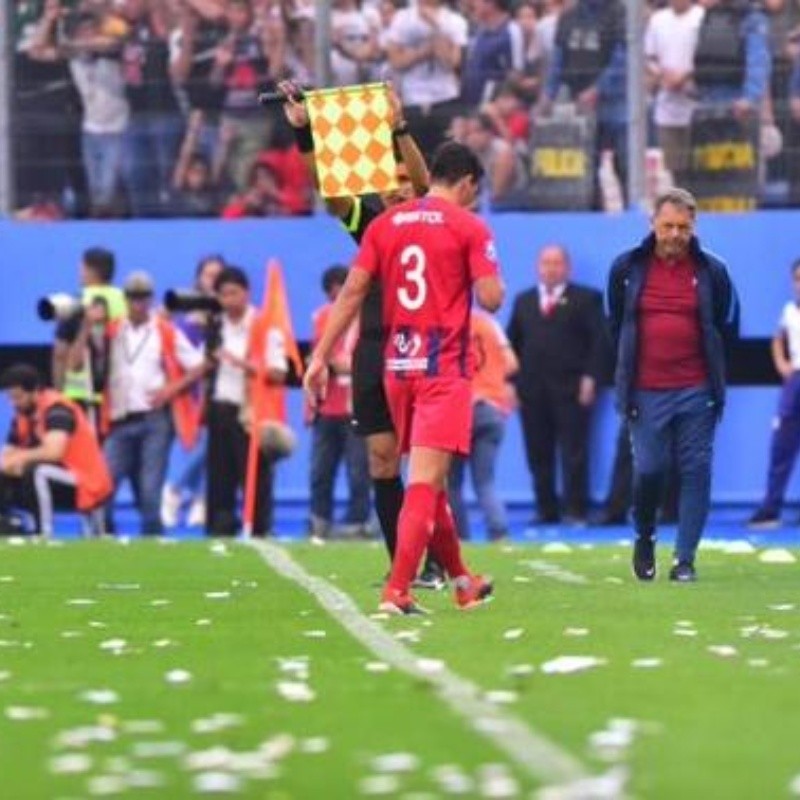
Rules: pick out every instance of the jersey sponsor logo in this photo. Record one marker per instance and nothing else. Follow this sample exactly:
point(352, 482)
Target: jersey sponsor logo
point(407, 345)
point(424, 216)
point(407, 364)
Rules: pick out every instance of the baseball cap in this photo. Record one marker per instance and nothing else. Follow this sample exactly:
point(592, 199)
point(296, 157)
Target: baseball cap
point(138, 283)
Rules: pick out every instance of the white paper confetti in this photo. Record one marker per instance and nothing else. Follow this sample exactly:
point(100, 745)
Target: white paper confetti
point(217, 783)
point(496, 781)
point(202, 622)
point(568, 664)
point(26, 713)
point(4, 675)
point(156, 749)
point(142, 726)
point(218, 595)
point(162, 643)
point(83, 736)
point(430, 666)
point(100, 697)
point(314, 745)
point(501, 696)
point(70, 764)
point(317, 634)
point(646, 663)
point(395, 762)
point(104, 785)
point(453, 780)
point(159, 602)
point(376, 666)
point(556, 547)
point(113, 645)
point(178, 676)
point(120, 587)
point(219, 549)
point(782, 607)
point(521, 670)
point(81, 601)
point(776, 555)
point(216, 722)
point(379, 785)
point(295, 691)
point(723, 650)
point(576, 631)
point(758, 662)
point(513, 633)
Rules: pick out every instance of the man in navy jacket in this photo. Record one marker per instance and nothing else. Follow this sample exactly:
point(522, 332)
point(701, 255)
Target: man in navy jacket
point(672, 307)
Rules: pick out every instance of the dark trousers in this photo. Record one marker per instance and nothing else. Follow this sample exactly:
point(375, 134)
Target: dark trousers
point(620, 492)
point(785, 445)
point(333, 440)
point(226, 473)
point(682, 421)
point(554, 423)
point(41, 490)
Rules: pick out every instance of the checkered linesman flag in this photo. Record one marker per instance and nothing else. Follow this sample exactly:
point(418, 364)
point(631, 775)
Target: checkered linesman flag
point(352, 139)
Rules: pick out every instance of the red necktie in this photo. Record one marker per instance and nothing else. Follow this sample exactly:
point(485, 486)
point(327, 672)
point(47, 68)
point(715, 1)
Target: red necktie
point(549, 305)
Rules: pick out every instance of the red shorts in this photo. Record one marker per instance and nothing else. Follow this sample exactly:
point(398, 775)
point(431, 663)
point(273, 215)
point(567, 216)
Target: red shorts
point(431, 412)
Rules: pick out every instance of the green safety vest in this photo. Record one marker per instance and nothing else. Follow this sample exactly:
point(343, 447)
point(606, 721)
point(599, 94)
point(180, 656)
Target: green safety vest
point(78, 384)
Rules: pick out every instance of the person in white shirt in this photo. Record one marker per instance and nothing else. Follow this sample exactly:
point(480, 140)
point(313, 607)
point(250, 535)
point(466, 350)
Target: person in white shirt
point(785, 443)
point(669, 45)
point(151, 365)
point(236, 362)
point(354, 36)
point(425, 45)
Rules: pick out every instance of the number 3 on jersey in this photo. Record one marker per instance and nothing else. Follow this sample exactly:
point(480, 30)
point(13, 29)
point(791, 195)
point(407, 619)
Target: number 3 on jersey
point(412, 296)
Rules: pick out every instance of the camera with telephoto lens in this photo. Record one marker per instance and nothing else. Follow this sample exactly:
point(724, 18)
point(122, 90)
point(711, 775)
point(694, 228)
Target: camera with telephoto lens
point(189, 301)
point(59, 307)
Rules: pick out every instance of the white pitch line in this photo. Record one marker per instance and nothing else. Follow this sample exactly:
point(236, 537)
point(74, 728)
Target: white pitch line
point(533, 753)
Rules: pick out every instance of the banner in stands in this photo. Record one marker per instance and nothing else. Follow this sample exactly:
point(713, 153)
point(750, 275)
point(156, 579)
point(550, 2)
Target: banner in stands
point(723, 172)
point(562, 161)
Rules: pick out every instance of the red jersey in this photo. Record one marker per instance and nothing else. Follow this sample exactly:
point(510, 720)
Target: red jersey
point(427, 253)
point(671, 354)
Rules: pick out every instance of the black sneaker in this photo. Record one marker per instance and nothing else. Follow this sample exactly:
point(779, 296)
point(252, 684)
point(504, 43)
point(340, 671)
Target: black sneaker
point(763, 519)
point(683, 572)
point(644, 558)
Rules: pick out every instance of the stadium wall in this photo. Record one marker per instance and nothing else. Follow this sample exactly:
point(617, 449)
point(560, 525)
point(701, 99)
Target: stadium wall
point(38, 259)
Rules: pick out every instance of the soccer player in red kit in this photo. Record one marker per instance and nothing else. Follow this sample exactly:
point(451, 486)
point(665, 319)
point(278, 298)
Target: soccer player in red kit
point(429, 254)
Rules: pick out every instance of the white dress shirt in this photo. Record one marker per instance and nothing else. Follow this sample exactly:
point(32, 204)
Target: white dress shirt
point(229, 386)
point(548, 298)
point(137, 366)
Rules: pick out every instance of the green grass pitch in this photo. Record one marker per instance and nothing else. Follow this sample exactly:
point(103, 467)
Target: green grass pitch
point(169, 670)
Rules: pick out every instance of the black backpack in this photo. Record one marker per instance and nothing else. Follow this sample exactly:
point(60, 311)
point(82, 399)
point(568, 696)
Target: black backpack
point(720, 57)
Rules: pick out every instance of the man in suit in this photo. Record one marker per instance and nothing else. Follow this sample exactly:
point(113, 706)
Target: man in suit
point(558, 333)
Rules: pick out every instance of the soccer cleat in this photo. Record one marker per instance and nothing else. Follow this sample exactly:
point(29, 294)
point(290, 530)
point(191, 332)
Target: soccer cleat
point(473, 591)
point(644, 558)
point(393, 601)
point(763, 519)
point(683, 572)
point(430, 579)
point(196, 518)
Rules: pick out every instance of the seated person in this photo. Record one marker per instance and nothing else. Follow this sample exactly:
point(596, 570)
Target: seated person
point(52, 458)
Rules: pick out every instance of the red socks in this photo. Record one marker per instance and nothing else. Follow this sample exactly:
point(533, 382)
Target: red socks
point(445, 545)
point(414, 530)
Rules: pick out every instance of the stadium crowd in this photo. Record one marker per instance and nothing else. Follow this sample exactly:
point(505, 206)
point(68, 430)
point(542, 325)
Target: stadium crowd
point(147, 108)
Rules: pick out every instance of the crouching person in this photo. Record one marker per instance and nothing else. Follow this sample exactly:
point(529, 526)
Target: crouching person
point(52, 460)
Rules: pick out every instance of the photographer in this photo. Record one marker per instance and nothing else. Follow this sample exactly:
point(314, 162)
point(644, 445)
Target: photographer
point(151, 367)
point(51, 458)
point(187, 484)
point(236, 364)
point(85, 386)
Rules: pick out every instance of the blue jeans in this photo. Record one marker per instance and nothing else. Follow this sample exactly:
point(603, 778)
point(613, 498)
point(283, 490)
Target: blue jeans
point(488, 427)
point(151, 146)
point(102, 159)
point(333, 440)
point(785, 445)
point(682, 421)
point(139, 450)
point(191, 477)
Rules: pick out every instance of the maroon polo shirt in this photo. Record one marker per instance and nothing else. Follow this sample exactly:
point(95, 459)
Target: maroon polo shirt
point(670, 339)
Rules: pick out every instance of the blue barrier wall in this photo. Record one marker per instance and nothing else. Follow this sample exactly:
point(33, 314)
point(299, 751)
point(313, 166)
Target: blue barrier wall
point(37, 259)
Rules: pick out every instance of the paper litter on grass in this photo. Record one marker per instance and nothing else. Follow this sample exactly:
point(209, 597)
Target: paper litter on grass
point(520, 670)
point(314, 745)
point(646, 663)
point(5, 674)
point(217, 783)
point(85, 735)
point(568, 664)
point(224, 595)
point(104, 785)
point(451, 779)
point(81, 601)
point(376, 666)
point(723, 650)
point(296, 692)
point(782, 607)
point(216, 722)
point(395, 762)
point(120, 587)
point(776, 555)
point(113, 645)
point(379, 785)
point(430, 666)
point(100, 697)
point(556, 547)
point(26, 713)
point(501, 696)
point(496, 781)
point(610, 786)
point(160, 601)
point(576, 631)
point(177, 676)
point(158, 749)
point(70, 763)
point(513, 633)
point(316, 634)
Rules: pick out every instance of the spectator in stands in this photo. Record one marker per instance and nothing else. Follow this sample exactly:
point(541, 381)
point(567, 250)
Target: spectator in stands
point(669, 45)
point(354, 37)
point(589, 63)
point(510, 116)
point(672, 308)
point(786, 428)
point(294, 20)
point(505, 173)
point(194, 191)
point(732, 60)
point(155, 127)
point(333, 438)
point(546, 27)
point(425, 44)
point(280, 185)
point(492, 402)
point(235, 365)
point(793, 139)
point(152, 365)
point(558, 333)
point(249, 59)
point(188, 485)
point(46, 135)
point(200, 30)
point(528, 80)
point(495, 49)
point(51, 459)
